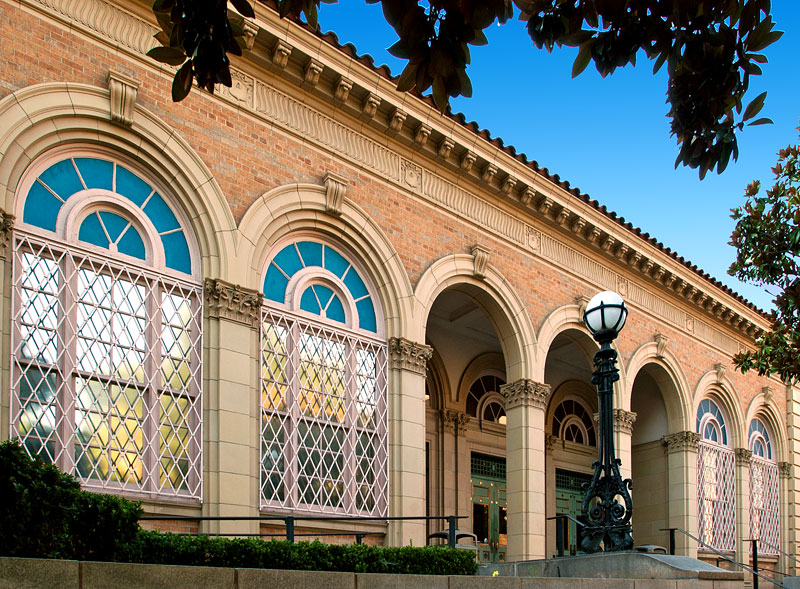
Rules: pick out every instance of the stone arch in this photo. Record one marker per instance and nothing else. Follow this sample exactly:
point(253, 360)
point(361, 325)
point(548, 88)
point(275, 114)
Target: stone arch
point(301, 209)
point(497, 298)
point(764, 408)
point(437, 382)
point(679, 407)
point(717, 386)
point(43, 117)
point(489, 363)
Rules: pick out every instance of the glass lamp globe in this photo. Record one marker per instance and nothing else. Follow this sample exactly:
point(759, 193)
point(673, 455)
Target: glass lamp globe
point(605, 315)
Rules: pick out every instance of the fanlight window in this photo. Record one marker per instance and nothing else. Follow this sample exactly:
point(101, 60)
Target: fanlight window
point(107, 332)
point(484, 401)
point(764, 498)
point(716, 482)
point(324, 386)
point(573, 423)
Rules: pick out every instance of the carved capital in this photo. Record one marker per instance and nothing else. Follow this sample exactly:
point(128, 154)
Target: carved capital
point(681, 442)
point(280, 53)
point(335, 189)
point(525, 393)
point(312, 72)
point(342, 89)
point(743, 456)
point(6, 225)
point(233, 302)
point(122, 97)
point(407, 355)
point(369, 107)
point(661, 344)
point(785, 470)
point(624, 420)
point(550, 442)
point(480, 260)
point(454, 421)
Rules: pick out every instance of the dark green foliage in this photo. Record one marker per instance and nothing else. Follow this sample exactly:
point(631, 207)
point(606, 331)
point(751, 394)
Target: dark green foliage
point(767, 242)
point(157, 548)
point(44, 513)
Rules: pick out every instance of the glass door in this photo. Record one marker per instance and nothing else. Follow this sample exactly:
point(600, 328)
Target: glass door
point(489, 510)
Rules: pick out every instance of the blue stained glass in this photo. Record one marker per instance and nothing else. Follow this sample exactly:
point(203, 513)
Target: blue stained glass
point(308, 302)
point(366, 315)
point(62, 179)
point(41, 208)
point(275, 284)
point(160, 214)
point(336, 310)
point(288, 260)
point(96, 173)
point(311, 252)
point(114, 224)
point(335, 262)
point(92, 232)
point(176, 252)
point(132, 244)
point(355, 285)
point(132, 187)
point(324, 294)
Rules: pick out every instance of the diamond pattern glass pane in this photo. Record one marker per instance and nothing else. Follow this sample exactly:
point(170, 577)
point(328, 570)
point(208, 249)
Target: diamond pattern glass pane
point(323, 418)
point(716, 496)
point(88, 340)
point(764, 513)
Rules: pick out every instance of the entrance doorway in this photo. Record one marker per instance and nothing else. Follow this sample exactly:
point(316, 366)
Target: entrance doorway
point(569, 500)
point(489, 510)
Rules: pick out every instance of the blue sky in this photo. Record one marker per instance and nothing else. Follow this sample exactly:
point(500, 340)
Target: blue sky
point(610, 137)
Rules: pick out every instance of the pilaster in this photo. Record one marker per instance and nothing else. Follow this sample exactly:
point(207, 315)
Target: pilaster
point(743, 458)
point(6, 249)
point(623, 431)
point(231, 406)
point(681, 449)
point(792, 541)
point(407, 367)
point(526, 402)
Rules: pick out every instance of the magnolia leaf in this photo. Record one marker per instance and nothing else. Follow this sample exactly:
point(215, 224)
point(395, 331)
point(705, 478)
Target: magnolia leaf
point(182, 83)
point(244, 8)
point(583, 59)
point(407, 79)
point(761, 121)
point(754, 107)
point(168, 55)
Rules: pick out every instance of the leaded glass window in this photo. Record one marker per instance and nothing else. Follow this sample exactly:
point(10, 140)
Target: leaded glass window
point(572, 422)
point(107, 332)
point(716, 494)
point(764, 498)
point(324, 389)
point(484, 401)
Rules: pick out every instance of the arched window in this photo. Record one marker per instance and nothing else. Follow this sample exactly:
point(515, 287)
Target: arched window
point(484, 401)
point(324, 385)
point(572, 422)
point(106, 329)
point(764, 499)
point(716, 482)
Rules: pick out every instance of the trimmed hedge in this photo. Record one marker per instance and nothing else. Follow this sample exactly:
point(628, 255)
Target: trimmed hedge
point(45, 514)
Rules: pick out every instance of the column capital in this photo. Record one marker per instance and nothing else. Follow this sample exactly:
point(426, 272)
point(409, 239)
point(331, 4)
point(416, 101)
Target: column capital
point(681, 441)
point(550, 442)
point(525, 392)
point(407, 355)
point(6, 225)
point(231, 301)
point(743, 456)
point(785, 470)
point(455, 421)
point(624, 420)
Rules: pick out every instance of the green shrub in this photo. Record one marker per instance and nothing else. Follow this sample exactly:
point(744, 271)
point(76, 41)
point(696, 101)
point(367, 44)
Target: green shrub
point(158, 548)
point(44, 512)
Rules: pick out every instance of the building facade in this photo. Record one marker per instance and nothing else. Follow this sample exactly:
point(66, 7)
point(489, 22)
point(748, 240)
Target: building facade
point(310, 294)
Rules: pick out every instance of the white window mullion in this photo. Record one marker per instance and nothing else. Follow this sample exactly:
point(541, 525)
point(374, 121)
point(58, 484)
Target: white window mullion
point(152, 404)
point(196, 412)
point(293, 414)
point(349, 469)
point(67, 363)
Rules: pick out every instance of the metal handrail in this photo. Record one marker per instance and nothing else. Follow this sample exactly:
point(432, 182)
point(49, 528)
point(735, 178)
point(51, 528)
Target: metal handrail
point(560, 530)
point(718, 553)
point(289, 521)
point(779, 551)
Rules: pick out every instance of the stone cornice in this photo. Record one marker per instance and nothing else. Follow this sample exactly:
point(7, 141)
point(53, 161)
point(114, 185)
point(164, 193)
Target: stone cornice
point(624, 420)
point(527, 207)
point(454, 421)
point(525, 392)
point(233, 302)
point(407, 355)
point(681, 441)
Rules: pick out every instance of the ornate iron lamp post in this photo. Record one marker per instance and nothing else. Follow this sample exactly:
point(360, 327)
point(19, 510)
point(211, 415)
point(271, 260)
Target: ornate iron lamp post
point(607, 506)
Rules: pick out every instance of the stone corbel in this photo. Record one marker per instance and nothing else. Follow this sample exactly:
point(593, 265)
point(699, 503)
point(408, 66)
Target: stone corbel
point(480, 260)
point(396, 120)
point(743, 456)
point(342, 89)
point(233, 302)
point(661, 344)
point(488, 173)
point(122, 97)
point(335, 189)
point(312, 72)
point(508, 185)
point(467, 160)
point(719, 368)
point(622, 252)
point(250, 32)
point(681, 442)
point(525, 392)
point(421, 134)
point(280, 53)
point(446, 146)
point(594, 236)
point(577, 226)
point(369, 107)
point(608, 243)
point(767, 395)
point(545, 205)
point(563, 216)
point(527, 196)
point(407, 355)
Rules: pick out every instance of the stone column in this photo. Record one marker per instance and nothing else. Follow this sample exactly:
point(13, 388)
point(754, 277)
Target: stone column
point(786, 518)
point(681, 448)
point(407, 366)
point(550, 442)
point(623, 430)
point(743, 459)
point(6, 250)
point(526, 402)
point(231, 406)
point(457, 465)
point(792, 541)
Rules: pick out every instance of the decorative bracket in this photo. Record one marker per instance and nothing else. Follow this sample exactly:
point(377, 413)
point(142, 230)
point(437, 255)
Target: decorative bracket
point(280, 53)
point(123, 91)
point(480, 260)
point(335, 189)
